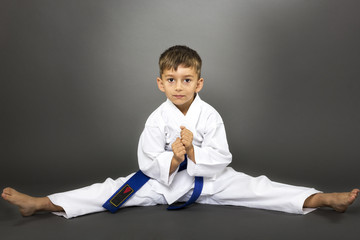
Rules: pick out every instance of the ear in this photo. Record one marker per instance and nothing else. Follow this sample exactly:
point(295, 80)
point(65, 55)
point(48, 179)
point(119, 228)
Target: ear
point(160, 84)
point(200, 84)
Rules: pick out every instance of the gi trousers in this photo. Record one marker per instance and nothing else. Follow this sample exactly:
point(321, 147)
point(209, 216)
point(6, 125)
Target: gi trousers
point(230, 188)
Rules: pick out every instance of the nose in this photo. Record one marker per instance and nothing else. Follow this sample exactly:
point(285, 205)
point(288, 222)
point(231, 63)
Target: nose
point(178, 86)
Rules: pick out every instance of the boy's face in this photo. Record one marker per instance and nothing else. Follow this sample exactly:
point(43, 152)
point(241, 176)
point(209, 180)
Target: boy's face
point(180, 86)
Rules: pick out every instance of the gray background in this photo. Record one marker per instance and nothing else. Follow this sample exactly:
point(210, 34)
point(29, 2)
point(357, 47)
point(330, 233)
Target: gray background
point(78, 80)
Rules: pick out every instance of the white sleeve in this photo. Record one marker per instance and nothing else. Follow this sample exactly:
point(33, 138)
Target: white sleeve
point(213, 155)
point(154, 160)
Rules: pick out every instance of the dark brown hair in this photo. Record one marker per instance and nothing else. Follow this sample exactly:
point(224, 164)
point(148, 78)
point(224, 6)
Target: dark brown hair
point(178, 55)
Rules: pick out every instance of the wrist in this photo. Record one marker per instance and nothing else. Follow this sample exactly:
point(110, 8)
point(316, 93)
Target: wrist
point(191, 153)
point(177, 160)
point(189, 149)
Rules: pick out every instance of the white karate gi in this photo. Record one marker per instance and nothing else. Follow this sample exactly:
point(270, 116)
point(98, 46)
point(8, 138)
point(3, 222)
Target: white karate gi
point(222, 184)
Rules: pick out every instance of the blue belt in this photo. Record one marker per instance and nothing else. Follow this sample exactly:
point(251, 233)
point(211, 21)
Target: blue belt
point(138, 180)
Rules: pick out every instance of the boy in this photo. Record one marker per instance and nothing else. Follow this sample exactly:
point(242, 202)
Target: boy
point(185, 125)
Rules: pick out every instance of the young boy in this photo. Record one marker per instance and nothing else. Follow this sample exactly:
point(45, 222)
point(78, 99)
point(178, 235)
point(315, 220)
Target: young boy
point(185, 125)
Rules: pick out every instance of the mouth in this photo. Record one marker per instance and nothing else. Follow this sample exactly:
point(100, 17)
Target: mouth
point(178, 96)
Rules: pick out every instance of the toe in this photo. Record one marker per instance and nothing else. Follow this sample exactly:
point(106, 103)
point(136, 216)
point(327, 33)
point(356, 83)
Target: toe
point(355, 192)
point(7, 190)
point(4, 196)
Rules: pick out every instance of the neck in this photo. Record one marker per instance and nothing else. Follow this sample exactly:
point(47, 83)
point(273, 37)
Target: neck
point(185, 108)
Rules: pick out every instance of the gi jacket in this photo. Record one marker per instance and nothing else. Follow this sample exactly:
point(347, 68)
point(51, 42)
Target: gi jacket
point(210, 145)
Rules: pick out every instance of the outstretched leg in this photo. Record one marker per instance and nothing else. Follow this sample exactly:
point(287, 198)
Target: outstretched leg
point(338, 201)
point(29, 205)
point(81, 201)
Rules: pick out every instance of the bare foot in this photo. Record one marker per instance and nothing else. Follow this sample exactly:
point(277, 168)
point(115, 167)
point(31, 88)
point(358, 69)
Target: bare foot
point(28, 205)
point(338, 201)
point(341, 201)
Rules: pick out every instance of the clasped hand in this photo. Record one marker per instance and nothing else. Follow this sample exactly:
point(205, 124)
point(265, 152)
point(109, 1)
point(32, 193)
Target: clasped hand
point(183, 145)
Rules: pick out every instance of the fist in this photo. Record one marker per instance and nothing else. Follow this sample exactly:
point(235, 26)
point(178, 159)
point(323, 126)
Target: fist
point(186, 138)
point(179, 150)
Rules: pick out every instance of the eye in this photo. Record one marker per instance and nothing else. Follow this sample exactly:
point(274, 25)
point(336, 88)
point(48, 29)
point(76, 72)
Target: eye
point(187, 80)
point(170, 80)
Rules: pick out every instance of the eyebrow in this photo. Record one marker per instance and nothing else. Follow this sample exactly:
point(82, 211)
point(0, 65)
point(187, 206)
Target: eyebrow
point(171, 75)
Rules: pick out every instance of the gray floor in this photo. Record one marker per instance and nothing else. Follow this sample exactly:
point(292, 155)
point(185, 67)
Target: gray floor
point(196, 222)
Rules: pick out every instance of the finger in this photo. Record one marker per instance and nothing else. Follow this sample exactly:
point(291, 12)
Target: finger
point(176, 142)
point(183, 154)
point(183, 131)
point(186, 135)
point(180, 154)
point(187, 144)
point(186, 131)
point(180, 148)
point(185, 139)
point(177, 146)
